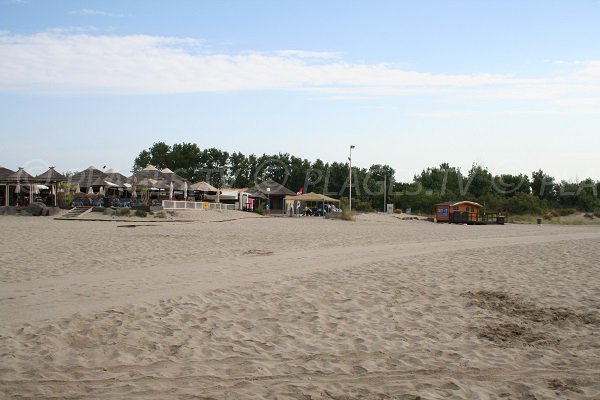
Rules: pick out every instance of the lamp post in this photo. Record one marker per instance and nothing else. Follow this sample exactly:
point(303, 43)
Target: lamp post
point(350, 195)
point(268, 200)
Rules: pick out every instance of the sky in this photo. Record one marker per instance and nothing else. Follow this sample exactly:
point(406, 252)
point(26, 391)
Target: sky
point(511, 85)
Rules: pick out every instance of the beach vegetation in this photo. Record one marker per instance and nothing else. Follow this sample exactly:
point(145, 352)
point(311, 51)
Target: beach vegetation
point(160, 214)
point(140, 213)
point(518, 194)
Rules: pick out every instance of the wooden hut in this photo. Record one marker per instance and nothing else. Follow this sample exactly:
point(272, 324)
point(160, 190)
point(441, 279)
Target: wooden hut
point(4, 186)
point(86, 178)
point(20, 188)
point(463, 212)
point(51, 178)
point(274, 192)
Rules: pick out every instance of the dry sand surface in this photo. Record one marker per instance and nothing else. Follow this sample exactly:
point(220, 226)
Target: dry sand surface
point(230, 307)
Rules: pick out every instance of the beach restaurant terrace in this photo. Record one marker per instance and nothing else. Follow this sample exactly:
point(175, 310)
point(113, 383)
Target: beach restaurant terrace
point(18, 188)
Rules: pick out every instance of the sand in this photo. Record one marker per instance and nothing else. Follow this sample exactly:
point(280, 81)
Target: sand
point(232, 307)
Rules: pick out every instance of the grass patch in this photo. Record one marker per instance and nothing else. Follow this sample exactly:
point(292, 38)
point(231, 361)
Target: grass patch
point(160, 214)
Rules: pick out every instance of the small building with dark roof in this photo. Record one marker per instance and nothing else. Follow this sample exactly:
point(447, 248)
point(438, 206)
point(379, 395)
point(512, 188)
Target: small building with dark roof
point(274, 192)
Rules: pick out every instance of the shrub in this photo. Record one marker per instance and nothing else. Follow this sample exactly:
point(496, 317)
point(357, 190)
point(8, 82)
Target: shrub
point(260, 210)
point(347, 215)
point(523, 203)
point(563, 212)
point(124, 212)
point(597, 214)
point(361, 205)
point(160, 214)
point(141, 213)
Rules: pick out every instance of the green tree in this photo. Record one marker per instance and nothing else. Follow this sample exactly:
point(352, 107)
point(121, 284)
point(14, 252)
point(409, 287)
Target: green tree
point(508, 185)
point(184, 159)
point(542, 185)
point(479, 182)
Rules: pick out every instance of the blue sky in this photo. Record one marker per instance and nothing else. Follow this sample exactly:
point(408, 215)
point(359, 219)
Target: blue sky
point(512, 85)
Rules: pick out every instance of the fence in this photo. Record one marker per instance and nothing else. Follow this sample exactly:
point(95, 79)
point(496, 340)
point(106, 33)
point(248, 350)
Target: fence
point(195, 205)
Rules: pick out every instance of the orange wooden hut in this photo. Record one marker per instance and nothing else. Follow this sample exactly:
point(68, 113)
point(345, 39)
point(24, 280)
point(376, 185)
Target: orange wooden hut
point(463, 212)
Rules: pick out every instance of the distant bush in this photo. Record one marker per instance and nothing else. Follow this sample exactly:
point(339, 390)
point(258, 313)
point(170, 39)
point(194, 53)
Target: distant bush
point(523, 203)
point(260, 210)
point(597, 214)
point(347, 215)
point(160, 214)
point(141, 213)
point(361, 205)
point(563, 212)
point(124, 212)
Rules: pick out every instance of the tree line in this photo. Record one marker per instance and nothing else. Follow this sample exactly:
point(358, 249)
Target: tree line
point(521, 193)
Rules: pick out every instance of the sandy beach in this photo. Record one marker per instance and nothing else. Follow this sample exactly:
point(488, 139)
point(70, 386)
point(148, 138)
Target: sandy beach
point(233, 306)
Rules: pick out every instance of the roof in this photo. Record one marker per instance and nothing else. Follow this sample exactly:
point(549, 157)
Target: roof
point(20, 176)
point(455, 203)
point(116, 177)
point(311, 196)
point(51, 176)
point(87, 176)
point(277, 189)
point(204, 187)
point(5, 172)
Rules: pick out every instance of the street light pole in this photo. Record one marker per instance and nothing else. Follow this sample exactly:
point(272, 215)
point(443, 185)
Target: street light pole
point(350, 195)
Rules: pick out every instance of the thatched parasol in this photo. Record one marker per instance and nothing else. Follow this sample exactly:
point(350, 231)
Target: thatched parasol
point(204, 187)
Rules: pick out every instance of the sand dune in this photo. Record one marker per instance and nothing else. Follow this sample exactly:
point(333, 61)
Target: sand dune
point(298, 308)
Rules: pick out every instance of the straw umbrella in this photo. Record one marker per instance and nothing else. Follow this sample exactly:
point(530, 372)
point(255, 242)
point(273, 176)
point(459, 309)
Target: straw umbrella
point(18, 192)
point(91, 190)
point(101, 191)
point(133, 187)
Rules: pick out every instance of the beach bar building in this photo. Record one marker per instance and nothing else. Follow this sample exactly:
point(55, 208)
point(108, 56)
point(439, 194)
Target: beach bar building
point(51, 179)
point(274, 193)
point(460, 212)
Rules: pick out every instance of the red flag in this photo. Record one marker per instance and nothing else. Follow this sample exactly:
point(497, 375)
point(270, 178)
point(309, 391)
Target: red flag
point(301, 190)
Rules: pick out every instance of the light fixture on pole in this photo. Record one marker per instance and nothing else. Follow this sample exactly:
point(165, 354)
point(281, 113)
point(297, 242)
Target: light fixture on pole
point(350, 191)
point(268, 200)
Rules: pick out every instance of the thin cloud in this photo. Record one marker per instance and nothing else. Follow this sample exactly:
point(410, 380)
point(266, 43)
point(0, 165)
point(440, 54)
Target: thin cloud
point(63, 63)
point(88, 12)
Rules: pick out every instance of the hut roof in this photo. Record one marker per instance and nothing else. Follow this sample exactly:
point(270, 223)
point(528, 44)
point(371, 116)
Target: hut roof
point(455, 203)
point(116, 178)
point(100, 181)
point(51, 175)
point(166, 175)
point(86, 177)
point(5, 172)
point(277, 189)
point(20, 176)
point(204, 187)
